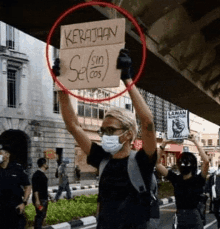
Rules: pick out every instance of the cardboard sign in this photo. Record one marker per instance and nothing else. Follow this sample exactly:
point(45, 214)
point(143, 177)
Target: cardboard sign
point(89, 52)
point(50, 154)
point(177, 124)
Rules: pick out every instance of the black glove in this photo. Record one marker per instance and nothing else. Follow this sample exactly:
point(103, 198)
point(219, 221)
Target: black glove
point(56, 67)
point(124, 63)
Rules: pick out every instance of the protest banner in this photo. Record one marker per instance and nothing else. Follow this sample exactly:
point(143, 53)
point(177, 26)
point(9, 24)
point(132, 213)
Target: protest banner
point(177, 124)
point(89, 52)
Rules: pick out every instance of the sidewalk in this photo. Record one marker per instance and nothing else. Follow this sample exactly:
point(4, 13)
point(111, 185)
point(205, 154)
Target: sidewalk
point(86, 188)
point(92, 220)
point(77, 189)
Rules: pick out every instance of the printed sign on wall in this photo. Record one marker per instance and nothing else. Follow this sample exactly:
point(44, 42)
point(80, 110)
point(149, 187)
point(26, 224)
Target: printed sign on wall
point(177, 124)
point(89, 52)
point(50, 154)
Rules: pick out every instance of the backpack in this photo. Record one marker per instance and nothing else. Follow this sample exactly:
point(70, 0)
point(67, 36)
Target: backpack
point(138, 182)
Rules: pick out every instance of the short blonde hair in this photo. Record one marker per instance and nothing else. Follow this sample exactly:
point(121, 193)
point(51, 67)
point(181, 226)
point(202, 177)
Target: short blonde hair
point(127, 119)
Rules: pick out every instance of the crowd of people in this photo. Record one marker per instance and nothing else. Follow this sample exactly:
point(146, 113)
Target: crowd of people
point(15, 189)
point(127, 199)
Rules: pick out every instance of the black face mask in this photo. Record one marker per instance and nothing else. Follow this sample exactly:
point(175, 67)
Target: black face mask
point(47, 168)
point(184, 170)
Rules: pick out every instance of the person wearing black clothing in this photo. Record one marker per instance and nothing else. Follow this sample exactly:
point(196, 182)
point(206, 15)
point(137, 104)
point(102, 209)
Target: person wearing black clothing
point(209, 184)
point(188, 186)
point(12, 205)
point(121, 206)
point(115, 189)
point(214, 185)
point(77, 171)
point(40, 192)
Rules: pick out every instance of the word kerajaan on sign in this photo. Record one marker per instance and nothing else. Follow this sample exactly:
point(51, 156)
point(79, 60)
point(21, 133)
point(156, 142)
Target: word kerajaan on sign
point(91, 35)
point(96, 33)
point(89, 52)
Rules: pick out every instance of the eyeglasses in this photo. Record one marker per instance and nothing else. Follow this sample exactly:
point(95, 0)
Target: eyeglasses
point(108, 131)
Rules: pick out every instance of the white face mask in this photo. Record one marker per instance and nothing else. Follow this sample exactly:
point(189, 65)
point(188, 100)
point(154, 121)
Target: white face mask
point(111, 143)
point(1, 158)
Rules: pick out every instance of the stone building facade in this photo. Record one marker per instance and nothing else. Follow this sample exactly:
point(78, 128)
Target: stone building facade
point(211, 145)
point(29, 116)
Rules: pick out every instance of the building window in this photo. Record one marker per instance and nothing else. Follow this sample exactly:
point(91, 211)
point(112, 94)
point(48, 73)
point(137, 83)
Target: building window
point(94, 111)
point(90, 110)
point(128, 104)
point(81, 109)
point(56, 105)
point(10, 37)
point(101, 113)
point(209, 142)
point(203, 142)
point(11, 86)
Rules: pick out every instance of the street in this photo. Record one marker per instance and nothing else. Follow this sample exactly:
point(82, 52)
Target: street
point(166, 217)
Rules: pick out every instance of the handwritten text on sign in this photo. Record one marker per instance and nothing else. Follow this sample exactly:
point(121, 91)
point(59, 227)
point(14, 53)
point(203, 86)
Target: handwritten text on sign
point(89, 53)
point(93, 34)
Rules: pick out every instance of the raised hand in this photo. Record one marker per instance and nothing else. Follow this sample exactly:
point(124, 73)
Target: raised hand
point(192, 138)
point(124, 63)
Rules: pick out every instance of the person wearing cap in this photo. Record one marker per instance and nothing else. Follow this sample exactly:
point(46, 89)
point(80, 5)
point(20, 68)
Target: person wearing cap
point(63, 180)
point(12, 178)
point(40, 192)
point(188, 185)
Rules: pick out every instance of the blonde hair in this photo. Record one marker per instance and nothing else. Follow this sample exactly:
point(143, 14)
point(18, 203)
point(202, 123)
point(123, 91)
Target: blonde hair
point(127, 119)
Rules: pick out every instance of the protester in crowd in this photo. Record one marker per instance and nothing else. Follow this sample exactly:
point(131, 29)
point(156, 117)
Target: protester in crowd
point(121, 206)
point(209, 188)
point(12, 178)
point(214, 186)
point(188, 186)
point(77, 172)
point(63, 180)
point(40, 192)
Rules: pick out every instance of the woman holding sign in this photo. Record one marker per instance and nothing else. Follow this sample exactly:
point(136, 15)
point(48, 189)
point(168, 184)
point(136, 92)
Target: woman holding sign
point(188, 186)
point(120, 203)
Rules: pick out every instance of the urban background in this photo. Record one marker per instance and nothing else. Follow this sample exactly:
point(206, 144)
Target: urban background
point(30, 114)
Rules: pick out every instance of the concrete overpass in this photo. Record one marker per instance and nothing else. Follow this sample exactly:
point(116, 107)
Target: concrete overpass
point(183, 40)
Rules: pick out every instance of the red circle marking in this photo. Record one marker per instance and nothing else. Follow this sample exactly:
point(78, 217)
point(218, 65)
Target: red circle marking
point(119, 9)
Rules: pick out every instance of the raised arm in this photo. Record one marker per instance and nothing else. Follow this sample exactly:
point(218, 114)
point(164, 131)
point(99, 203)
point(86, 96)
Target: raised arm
point(140, 105)
point(204, 157)
point(159, 167)
point(146, 119)
point(72, 123)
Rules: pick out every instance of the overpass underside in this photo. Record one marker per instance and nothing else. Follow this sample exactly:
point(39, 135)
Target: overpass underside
point(182, 36)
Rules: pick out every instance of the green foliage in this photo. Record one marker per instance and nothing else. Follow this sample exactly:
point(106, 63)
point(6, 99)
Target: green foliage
point(65, 210)
point(165, 190)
